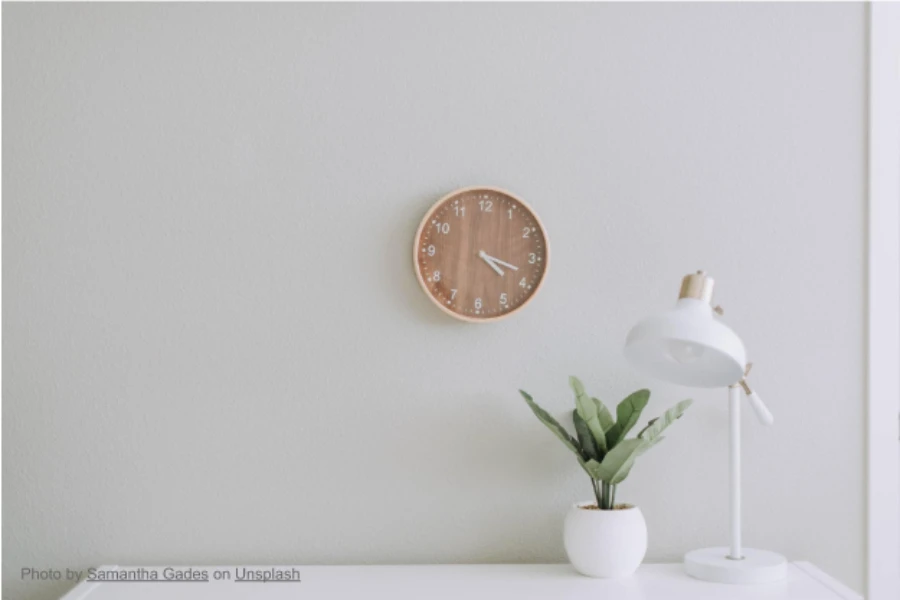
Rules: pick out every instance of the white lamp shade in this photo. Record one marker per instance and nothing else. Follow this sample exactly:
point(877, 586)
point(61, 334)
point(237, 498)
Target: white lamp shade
point(688, 346)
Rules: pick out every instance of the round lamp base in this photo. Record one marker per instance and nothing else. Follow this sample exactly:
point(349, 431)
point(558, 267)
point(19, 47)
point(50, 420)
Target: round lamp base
point(757, 566)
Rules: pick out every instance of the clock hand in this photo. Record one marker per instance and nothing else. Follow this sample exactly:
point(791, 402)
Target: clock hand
point(490, 263)
point(498, 261)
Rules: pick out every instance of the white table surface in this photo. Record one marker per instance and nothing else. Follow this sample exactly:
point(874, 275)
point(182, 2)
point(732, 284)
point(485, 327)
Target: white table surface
point(470, 582)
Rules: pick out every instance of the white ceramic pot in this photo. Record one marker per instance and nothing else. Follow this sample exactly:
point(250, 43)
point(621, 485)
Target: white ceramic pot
point(605, 543)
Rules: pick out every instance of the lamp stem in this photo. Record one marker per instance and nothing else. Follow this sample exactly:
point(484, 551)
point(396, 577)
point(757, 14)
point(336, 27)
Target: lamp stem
point(734, 416)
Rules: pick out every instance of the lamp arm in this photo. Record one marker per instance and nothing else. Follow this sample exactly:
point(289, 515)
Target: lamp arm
point(762, 412)
point(759, 407)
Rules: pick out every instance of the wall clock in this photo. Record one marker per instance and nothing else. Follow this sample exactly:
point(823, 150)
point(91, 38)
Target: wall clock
point(481, 254)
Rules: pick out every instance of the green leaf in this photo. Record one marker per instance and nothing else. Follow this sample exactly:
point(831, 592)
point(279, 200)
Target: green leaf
point(647, 445)
point(649, 425)
point(617, 464)
point(656, 426)
point(606, 420)
point(585, 407)
point(553, 425)
point(627, 414)
point(585, 437)
point(588, 410)
point(584, 463)
point(593, 468)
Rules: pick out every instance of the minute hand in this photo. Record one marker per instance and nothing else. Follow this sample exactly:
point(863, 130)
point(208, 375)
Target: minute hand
point(498, 261)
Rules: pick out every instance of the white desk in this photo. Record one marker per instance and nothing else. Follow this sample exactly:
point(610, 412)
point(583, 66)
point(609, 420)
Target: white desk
point(465, 582)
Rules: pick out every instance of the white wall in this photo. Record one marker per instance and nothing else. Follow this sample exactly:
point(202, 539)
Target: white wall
point(215, 349)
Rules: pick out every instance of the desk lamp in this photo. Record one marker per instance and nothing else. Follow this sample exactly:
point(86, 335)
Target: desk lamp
point(689, 346)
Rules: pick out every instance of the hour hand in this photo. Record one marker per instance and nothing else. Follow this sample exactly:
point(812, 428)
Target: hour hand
point(490, 262)
point(495, 260)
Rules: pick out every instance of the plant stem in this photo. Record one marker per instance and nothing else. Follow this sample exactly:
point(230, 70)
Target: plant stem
point(596, 492)
point(612, 497)
point(604, 503)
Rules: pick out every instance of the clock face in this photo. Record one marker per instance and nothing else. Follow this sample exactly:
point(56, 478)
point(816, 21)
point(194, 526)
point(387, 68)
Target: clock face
point(481, 254)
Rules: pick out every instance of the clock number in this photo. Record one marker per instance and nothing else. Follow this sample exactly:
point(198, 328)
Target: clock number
point(523, 283)
point(526, 231)
point(478, 303)
point(452, 294)
point(443, 228)
point(430, 250)
point(509, 212)
point(486, 206)
point(460, 211)
point(532, 258)
point(436, 276)
point(503, 299)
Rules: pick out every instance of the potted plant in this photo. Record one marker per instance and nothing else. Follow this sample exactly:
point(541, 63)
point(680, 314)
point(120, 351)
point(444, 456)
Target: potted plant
point(602, 538)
